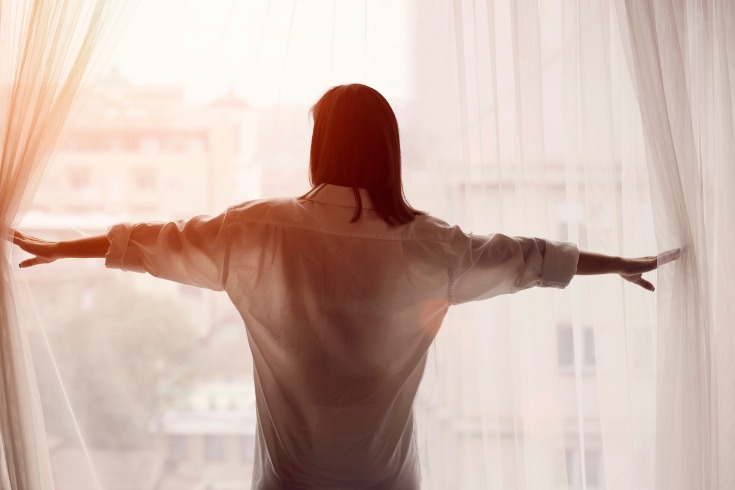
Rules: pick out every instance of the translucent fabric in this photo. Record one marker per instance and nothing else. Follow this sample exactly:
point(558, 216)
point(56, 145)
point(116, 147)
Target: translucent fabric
point(683, 59)
point(340, 317)
point(607, 124)
point(48, 51)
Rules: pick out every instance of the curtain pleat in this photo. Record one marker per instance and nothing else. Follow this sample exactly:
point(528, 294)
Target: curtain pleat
point(49, 49)
point(607, 123)
point(678, 54)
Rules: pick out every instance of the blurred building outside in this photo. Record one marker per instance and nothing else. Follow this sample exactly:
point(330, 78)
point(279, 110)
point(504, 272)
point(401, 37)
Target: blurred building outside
point(140, 153)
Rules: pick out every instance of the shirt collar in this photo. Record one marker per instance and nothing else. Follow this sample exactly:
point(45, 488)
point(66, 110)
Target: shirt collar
point(339, 195)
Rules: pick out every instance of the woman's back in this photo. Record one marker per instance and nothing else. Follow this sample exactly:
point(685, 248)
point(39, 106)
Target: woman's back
point(340, 312)
point(339, 317)
point(339, 306)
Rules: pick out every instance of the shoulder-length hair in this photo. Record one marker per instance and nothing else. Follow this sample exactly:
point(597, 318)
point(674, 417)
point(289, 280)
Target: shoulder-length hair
point(355, 143)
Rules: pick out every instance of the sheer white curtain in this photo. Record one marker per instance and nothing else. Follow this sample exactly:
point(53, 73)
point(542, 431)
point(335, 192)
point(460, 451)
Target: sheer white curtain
point(591, 122)
point(539, 134)
point(47, 52)
point(683, 58)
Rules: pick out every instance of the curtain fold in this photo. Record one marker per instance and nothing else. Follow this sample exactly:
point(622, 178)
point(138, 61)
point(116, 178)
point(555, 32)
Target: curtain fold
point(49, 51)
point(544, 389)
point(606, 123)
point(681, 56)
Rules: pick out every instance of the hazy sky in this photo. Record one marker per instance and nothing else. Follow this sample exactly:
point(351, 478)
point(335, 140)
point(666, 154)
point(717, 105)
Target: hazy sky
point(208, 46)
point(289, 52)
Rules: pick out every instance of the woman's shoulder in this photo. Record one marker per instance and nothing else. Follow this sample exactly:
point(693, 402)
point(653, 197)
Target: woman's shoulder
point(431, 227)
point(261, 209)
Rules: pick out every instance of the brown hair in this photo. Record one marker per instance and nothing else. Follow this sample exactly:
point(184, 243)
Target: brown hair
point(355, 143)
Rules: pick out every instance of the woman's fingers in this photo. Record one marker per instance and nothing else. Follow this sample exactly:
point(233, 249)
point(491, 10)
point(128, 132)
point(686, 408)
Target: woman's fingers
point(666, 257)
point(647, 264)
point(28, 263)
point(34, 261)
point(638, 279)
point(636, 267)
point(42, 249)
point(645, 284)
point(27, 245)
point(20, 237)
point(640, 265)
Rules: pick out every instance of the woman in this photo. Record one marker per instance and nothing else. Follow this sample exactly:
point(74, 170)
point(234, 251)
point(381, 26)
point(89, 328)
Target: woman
point(342, 291)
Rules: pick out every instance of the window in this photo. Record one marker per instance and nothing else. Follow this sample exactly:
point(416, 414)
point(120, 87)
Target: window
point(589, 348)
point(247, 448)
point(196, 145)
point(149, 144)
point(178, 447)
point(87, 298)
point(593, 469)
point(78, 178)
point(130, 142)
point(565, 349)
point(572, 214)
point(214, 448)
point(144, 179)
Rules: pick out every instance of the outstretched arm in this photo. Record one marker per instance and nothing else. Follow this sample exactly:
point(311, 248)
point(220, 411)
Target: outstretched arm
point(194, 251)
point(484, 266)
point(46, 251)
point(629, 269)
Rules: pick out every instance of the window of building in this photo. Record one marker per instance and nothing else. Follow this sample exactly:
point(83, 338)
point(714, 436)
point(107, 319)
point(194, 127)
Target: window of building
point(565, 349)
point(195, 144)
point(178, 447)
point(247, 448)
point(572, 214)
point(144, 179)
point(87, 298)
point(589, 348)
point(131, 142)
point(593, 469)
point(149, 144)
point(214, 448)
point(79, 178)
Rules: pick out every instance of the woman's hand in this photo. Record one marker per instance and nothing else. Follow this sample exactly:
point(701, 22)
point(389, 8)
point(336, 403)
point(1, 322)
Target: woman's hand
point(44, 250)
point(632, 269)
point(95, 246)
point(629, 269)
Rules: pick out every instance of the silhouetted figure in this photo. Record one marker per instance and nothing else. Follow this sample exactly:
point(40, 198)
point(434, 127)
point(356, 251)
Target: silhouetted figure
point(342, 291)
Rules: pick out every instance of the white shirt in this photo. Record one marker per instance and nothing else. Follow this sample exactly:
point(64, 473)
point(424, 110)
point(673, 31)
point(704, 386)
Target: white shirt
point(339, 318)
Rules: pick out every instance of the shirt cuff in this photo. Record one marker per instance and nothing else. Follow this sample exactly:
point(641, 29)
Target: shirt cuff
point(560, 264)
point(119, 237)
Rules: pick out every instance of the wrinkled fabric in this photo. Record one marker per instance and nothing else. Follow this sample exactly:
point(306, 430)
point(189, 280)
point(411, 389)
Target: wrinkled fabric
point(339, 318)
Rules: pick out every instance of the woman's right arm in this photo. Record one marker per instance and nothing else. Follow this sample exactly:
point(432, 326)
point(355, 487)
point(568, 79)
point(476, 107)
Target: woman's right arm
point(193, 251)
point(45, 251)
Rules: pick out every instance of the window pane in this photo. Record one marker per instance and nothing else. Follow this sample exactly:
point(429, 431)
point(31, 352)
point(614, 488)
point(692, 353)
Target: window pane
point(178, 447)
point(214, 448)
point(247, 448)
point(574, 475)
point(589, 347)
point(593, 467)
point(565, 347)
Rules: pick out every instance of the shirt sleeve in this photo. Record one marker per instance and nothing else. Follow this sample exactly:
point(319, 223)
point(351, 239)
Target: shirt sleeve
point(193, 251)
point(487, 266)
